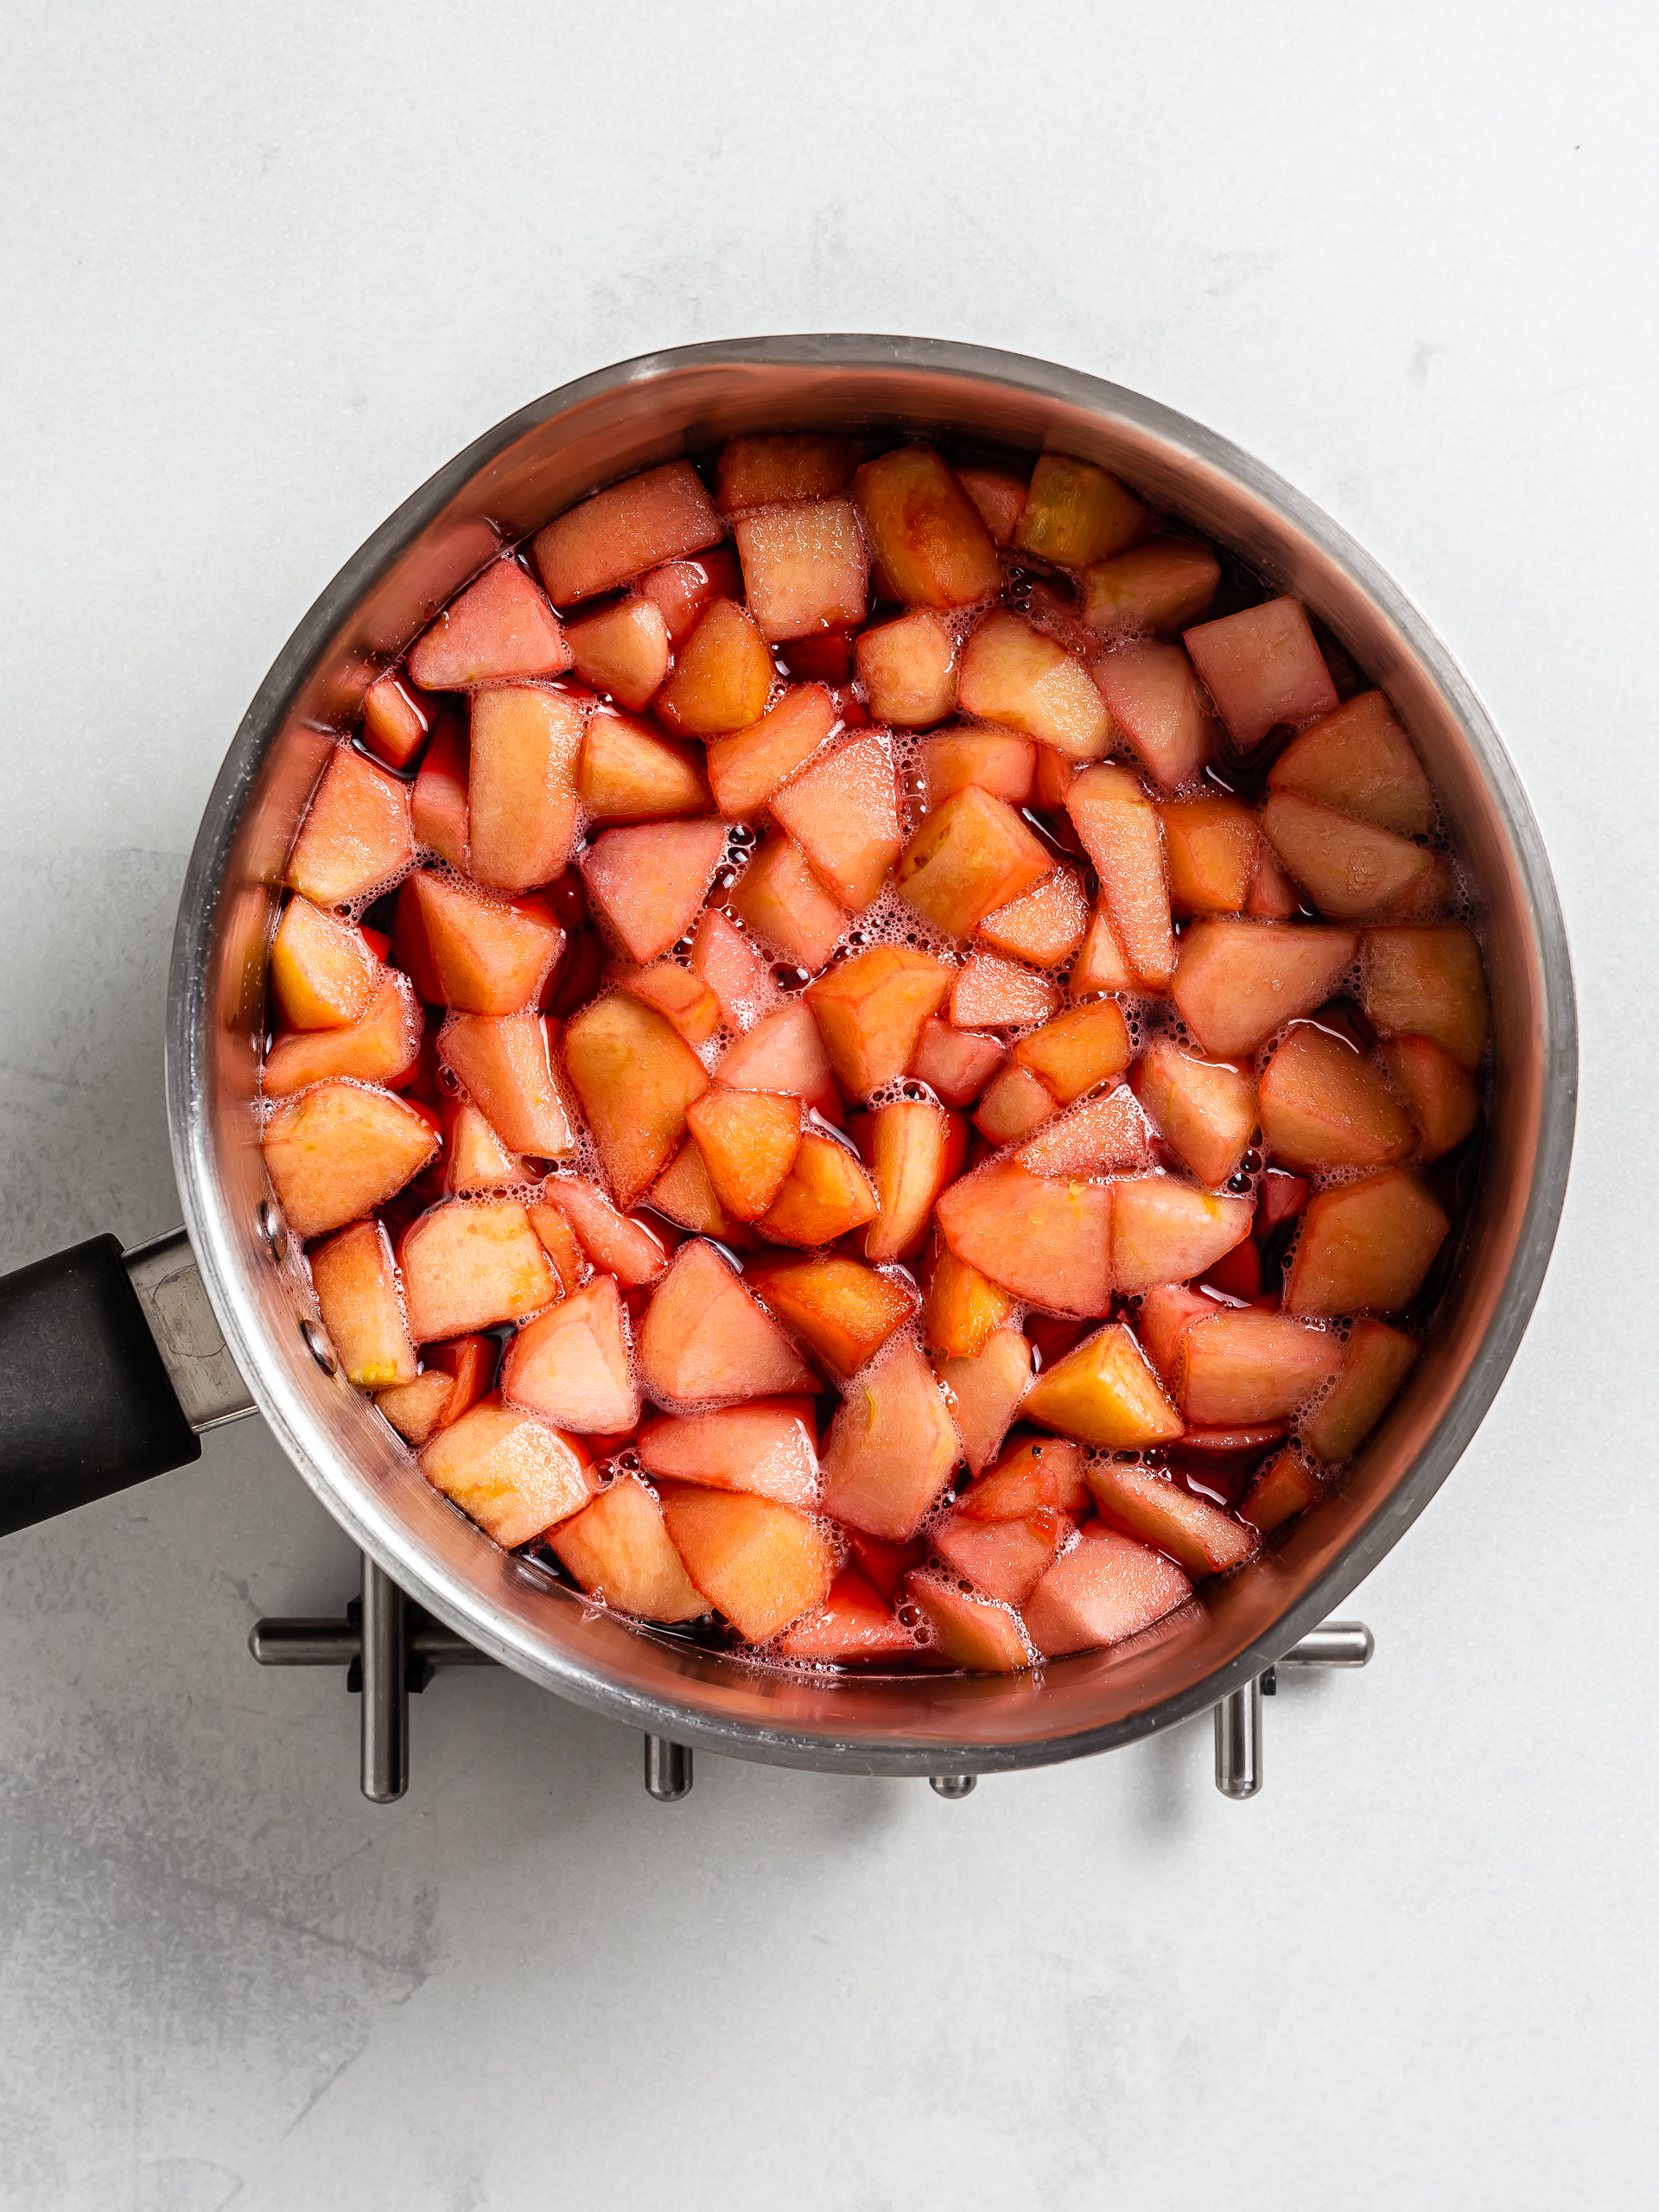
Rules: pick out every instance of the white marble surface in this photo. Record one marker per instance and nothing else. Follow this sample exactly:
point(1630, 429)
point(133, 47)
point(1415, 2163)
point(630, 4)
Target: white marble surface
point(262, 270)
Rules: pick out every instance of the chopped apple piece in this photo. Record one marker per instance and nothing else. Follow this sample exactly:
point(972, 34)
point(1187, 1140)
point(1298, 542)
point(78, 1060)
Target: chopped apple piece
point(999, 493)
point(762, 471)
point(1238, 981)
point(634, 1076)
point(1365, 1246)
point(915, 1150)
point(870, 1010)
point(474, 1158)
point(395, 724)
point(1106, 1588)
point(1044, 1240)
point(1426, 982)
point(1243, 1366)
point(786, 907)
point(955, 1064)
point(785, 1053)
point(630, 773)
point(762, 1564)
point(908, 669)
point(1160, 586)
point(1043, 926)
point(747, 768)
point(1167, 1312)
point(675, 992)
point(841, 1311)
point(472, 1264)
point(1074, 1052)
point(419, 1409)
point(500, 629)
point(619, 1550)
point(924, 531)
point(1101, 965)
point(1360, 761)
point(722, 677)
point(705, 1340)
point(357, 836)
point(1075, 514)
point(1322, 1107)
point(1442, 1097)
point(1104, 1393)
point(1101, 1137)
point(995, 759)
point(571, 1366)
point(683, 1192)
point(804, 567)
point(1025, 1482)
point(382, 1047)
point(522, 787)
point(1376, 1361)
point(1014, 1105)
point(854, 1623)
point(1157, 701)
point(1165, 1231)
point(892, 1448)
point(1205, 1110)
point(339, 1149)
point(649, 881)
point(488, 955)
point(323, 971)
point(984, 1392)
point(991, 993)
point(1262, 667)
point(1005, 1560)
point(734, 967)
point(972, 1632)
point(825, 1195)
point(1210, 845)
point(843, 812)
point(962, 1307)
point(438, 800)
point(623, 650)
point(614, 1241)
point(509, 1471)
point(683, 589)
point(1199, 1537)
point(768, 1446)
point(568, 1260)
point(504, 1062)
point(1287, 1485)
point(748, 1140)
point(1348, 868)
point(1017, 675)
point(970, 857)
point(1121, 833)
point(662, 515)
point(356, 1281)
point(1272, 897)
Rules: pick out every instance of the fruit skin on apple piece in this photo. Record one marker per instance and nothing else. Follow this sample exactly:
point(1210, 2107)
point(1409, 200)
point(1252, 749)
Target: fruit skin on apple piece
point(649, 880)
point(970, 857)
point(618, 1549)
point(1167, 1310)
point(395, 723)
point(1210, 847)
point(1271, 896)
point(991, 993)
point(892, 1448)
point(1103, 1136)
point(734, 967)
point(805, 568)
point(915, 1149)
point(1047, 1470)
point(356, 835)
point(1165, 1231)
point(1043, 926)
point(505, 1063)
point(762, 470)
point(1104, 1393)
point(521, 790)
point(843, 811)
point(1348, 868)
point(1262, 667)
point(629, 772)
point(1365, 1246)
point(1287, 1485)
point(706, 1341)
point(1442, 1097)
point(623, 650)
point(1157, 701)
point(974, 1633)
point(568, 1260)
point(747, 767)
point(509, 1471)
point(869, 1012)
point(634, 1076)
point(784, 1053)
point(474, 1158)
point(748, 1140)
point(854, 1623)
point(1101, 965)
point(1005, 1560)
point(1426, 982)
point(1014, 674)
point(570, 1364)
point(470, 1264)
point(923, 531)
point(676, 994)
point(999, 494)
point(323, 971)
point(1199, 1537)
point(1376, 1361)
point(1041, 1239)
point(1241, 1366)
point(683, 1192)
point(382, 1048)
point(438, 799)
point(660, 515)
point(995, 759)
point(1074, 1052)
point(1323, 1107)
point(1160, 586)
point(356, 1281)
point(825, 1195)
point(722, 677)
point(1359, 761)
point(963, 1308)
point(681, 589)
point(1238, 981)
point(839, 1310)
point(768, 1446)
point(1122, 835)
point(955, 1064)
point(501, 627)
point(339, 1149)
point(1014, 1104)
point(762, 1564)
point(908, 669)
point(1205, 1110)
point(1075, 514)
point(985, 1391)
point(1106, 1588)
point(615, 1242)
point(488, 955)
point(786, 905)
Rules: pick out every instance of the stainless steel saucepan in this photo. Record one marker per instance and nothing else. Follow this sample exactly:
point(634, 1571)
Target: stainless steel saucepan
point(110, 1364)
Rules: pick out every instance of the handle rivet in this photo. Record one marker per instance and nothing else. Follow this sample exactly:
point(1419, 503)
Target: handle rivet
point(272, 1234)
point(319, 1348)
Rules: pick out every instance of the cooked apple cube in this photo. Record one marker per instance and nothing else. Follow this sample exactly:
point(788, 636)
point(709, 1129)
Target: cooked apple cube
point(1238, 981)
point(915, 1149)
point(1025, 1482)
point(357, 836)
point(1165, 1231)
point(924, 531)
point(1376, 1361)
point(683, 1192)
point(565, 1255)
point(623, 650)
point(1199, 1537)
point(955, 1064)
point(1075, 514)
point(683, 589)
point(501, 627)
point(339, 1149)
point(1262, 667)
point(488, 955)
point(571, 1364)
point(1122, 835)
point(870, 1010)
point(970, 857)
point(734, 967)
point(984, 1391)
point(1287, 1485)
point(768, 1446)
point(1005, 1560)
point(995, 759)
point(619, 1550)
point(1205, 1110)
point(1365, 1246)
point(1272, 897)
point(722, 676)
point(1102, 965)
point(962, 1307)
point(1323, 1107)
point(1426, 982)
point(760, 471)
point(784, 1053)
point(1078, 1050)
point(474, 1158)
point(1210, 847)
point(908, 669)
point(1044, 1240)
point(748, 1140)
point(1015, 674)
point(1104, 1393)
point(804, 567)
point(437, 801)
point(509, 1471)
point(747, 768)
point(783, 902)
point(825, 1195)
point(356, 1281)
point(991, 993)
point(999, 493)
point(1348, 868)
point(649, 880)
point(628, 772)
point(396, 725)
point(1106, 1588)
point(323, 971)
point(522, 788)
point(634, 1076)
point(972, 1632)
point(854, 1623)
point(892, 1448)
point(1157, 701)
point(1101, 1137)
point(839, 1310)
point(1014, 1104)
point(382, 1048)
point(1167, 1312)
point(842, 810)
point(505, 1063)
point(1360, 761)
point(472, 1263)
point(1160, 586)
point(1242, 1366)
point(416, 1409)
point(762, 1564)
point(1442, 1097)
point(1043, 926)
point(661, 515)
point(706, 1341)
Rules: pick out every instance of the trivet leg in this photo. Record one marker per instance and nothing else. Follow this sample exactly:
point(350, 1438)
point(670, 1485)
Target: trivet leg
point(1238, 1741)
point(668, 1769)
point(385, 1687)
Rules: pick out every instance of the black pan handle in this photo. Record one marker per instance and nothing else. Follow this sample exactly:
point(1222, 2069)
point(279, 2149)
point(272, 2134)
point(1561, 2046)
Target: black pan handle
point(110, 1365)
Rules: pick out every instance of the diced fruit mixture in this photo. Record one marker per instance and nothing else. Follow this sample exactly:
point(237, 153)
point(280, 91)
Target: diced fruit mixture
point(879, 1055)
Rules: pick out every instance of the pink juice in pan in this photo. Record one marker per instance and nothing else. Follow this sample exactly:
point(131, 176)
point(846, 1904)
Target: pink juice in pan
point(877, 1053)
